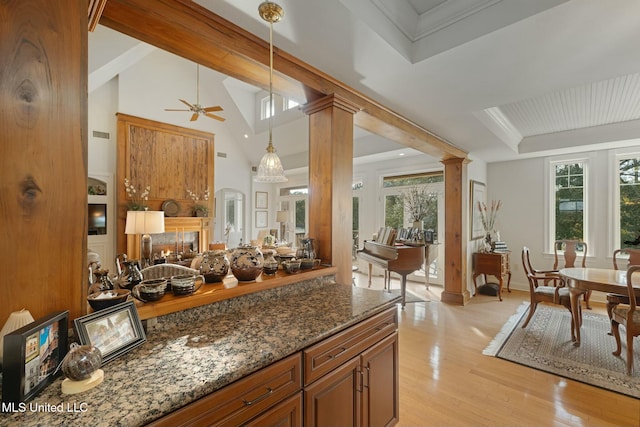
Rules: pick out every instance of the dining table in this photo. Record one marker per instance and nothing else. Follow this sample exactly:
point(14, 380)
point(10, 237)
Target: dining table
point(580, 280)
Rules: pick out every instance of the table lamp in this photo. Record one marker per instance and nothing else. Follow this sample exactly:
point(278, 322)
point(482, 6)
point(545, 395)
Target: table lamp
point(145, 223)
point(282, 217)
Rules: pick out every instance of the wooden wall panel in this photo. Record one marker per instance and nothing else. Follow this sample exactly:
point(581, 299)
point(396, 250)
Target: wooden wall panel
point(169, 159)
point(43, 157)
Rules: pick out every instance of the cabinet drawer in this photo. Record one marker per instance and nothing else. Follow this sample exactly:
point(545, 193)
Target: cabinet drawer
point(332, 352)
point(243, 399)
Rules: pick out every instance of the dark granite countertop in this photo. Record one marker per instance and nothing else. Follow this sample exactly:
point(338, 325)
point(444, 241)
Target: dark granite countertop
point(192, 353)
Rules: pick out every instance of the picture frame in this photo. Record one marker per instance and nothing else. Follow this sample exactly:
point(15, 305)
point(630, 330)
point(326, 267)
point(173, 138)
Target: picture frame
point(262, 200)
point(114, 330)
point(477, 194)
point(261, 219)
point(32, 355)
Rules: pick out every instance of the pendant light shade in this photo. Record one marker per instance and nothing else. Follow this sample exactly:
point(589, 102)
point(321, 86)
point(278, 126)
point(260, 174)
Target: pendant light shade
point(270, 168)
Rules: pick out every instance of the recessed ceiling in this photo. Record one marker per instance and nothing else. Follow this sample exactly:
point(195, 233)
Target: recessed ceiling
point(419, 29)
point(607, 102)
point(502, 80)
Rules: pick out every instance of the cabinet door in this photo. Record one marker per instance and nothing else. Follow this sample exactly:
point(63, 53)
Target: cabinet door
point(285, 414)
point(380, 400)
point(334, 400)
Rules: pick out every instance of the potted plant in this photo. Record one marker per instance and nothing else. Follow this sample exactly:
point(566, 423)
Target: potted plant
point(137, 199)
point(199, 209)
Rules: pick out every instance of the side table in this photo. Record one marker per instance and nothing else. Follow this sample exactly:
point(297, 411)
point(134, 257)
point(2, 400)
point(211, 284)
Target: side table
point(492, 264)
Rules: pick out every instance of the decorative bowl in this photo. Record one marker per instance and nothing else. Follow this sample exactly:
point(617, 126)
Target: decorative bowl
point(307, 263)
point(291, 267)
point(105, 299)
point(150, 290)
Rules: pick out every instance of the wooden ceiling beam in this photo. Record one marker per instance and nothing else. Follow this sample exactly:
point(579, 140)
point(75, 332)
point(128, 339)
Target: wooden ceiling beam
point(193, 32)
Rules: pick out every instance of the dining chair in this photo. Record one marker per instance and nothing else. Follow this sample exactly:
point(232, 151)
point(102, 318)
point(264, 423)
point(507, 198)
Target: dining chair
point(629, 317)
point(569, 250)
point(546, 286)
point(613, 300)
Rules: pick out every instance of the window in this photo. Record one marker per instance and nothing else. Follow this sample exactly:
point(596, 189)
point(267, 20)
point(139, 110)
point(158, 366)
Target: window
point(629, 198)
point(290, 103)
point(265, 111)
point(568, 219)
point(394, 186)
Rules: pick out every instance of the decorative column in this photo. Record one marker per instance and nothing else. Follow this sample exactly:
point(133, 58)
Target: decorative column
point(455, 252)
point(330, 180)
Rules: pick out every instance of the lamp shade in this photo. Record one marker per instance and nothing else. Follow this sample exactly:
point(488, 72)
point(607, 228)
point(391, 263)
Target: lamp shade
point(282, 216)
point(144, 222)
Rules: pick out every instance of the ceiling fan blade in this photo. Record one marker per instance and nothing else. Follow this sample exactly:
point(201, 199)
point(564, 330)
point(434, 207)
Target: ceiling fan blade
point(213, 116)
point(191, 107)
point(194, 117)
point(210, 109)
point(171, 109)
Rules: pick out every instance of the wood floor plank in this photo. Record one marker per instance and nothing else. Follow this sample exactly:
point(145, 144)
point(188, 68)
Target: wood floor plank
point(445, 380)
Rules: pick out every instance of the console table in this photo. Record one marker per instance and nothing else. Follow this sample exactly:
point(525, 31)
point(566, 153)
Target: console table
point(492, 264)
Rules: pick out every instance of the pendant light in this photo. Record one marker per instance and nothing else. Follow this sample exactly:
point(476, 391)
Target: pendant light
point(270, 168)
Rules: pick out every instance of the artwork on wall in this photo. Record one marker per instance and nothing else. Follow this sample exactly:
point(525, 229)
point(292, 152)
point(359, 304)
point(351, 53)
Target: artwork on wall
point(262, 200)
point(477, 195)
point(261, 219)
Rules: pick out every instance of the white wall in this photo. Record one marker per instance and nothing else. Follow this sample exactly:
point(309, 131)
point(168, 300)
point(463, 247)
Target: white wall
point(145, 90)
point(520, 187)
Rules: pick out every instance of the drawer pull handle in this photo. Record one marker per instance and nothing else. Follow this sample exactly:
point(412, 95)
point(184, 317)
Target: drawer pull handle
point(381, 327)
point(342, 350)
point(259, 398)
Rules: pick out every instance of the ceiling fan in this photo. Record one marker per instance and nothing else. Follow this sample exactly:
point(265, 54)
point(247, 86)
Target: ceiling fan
point(197, 109)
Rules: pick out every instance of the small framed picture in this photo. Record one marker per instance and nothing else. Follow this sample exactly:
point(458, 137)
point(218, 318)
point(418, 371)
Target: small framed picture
point(32, 355)
point(261, 219)
point(262, 200)
point(114, 330)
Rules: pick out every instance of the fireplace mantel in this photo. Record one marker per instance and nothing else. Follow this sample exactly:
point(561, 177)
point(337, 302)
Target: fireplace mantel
point(177, 226)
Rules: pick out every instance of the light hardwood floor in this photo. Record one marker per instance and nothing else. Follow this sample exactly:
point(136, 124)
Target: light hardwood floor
point(445, 380)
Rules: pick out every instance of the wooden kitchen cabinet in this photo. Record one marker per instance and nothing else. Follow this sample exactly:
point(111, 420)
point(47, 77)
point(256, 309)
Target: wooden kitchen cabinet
point(380, 399)
point(255, 395)
point(285, 414)
point(335, 399)
point(351, 379)
point(361, 392)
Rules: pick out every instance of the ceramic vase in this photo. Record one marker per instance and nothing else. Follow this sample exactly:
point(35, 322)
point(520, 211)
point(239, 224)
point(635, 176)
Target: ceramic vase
point(103, 282)
point(131, 275)
point(246, 263)
point(214, 266)
point(270, 263)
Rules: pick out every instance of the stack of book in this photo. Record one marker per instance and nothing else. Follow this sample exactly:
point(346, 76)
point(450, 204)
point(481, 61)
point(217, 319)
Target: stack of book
point(500, 247)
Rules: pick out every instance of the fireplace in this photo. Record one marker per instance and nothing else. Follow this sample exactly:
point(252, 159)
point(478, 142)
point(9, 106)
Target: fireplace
point(182, 234)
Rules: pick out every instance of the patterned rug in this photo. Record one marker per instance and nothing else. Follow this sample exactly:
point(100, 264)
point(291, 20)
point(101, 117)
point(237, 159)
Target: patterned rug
point(546, 345)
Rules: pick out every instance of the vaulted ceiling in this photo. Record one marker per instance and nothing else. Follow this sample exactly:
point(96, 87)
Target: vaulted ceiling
point(501, 79)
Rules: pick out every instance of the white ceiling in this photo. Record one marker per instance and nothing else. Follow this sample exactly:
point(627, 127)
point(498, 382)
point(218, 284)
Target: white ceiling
point(501, 79)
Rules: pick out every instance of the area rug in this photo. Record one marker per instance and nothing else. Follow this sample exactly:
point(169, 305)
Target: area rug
point(546, 345)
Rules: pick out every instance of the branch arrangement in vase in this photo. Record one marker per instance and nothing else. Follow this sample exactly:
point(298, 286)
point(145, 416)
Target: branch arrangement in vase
point(137, 199)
